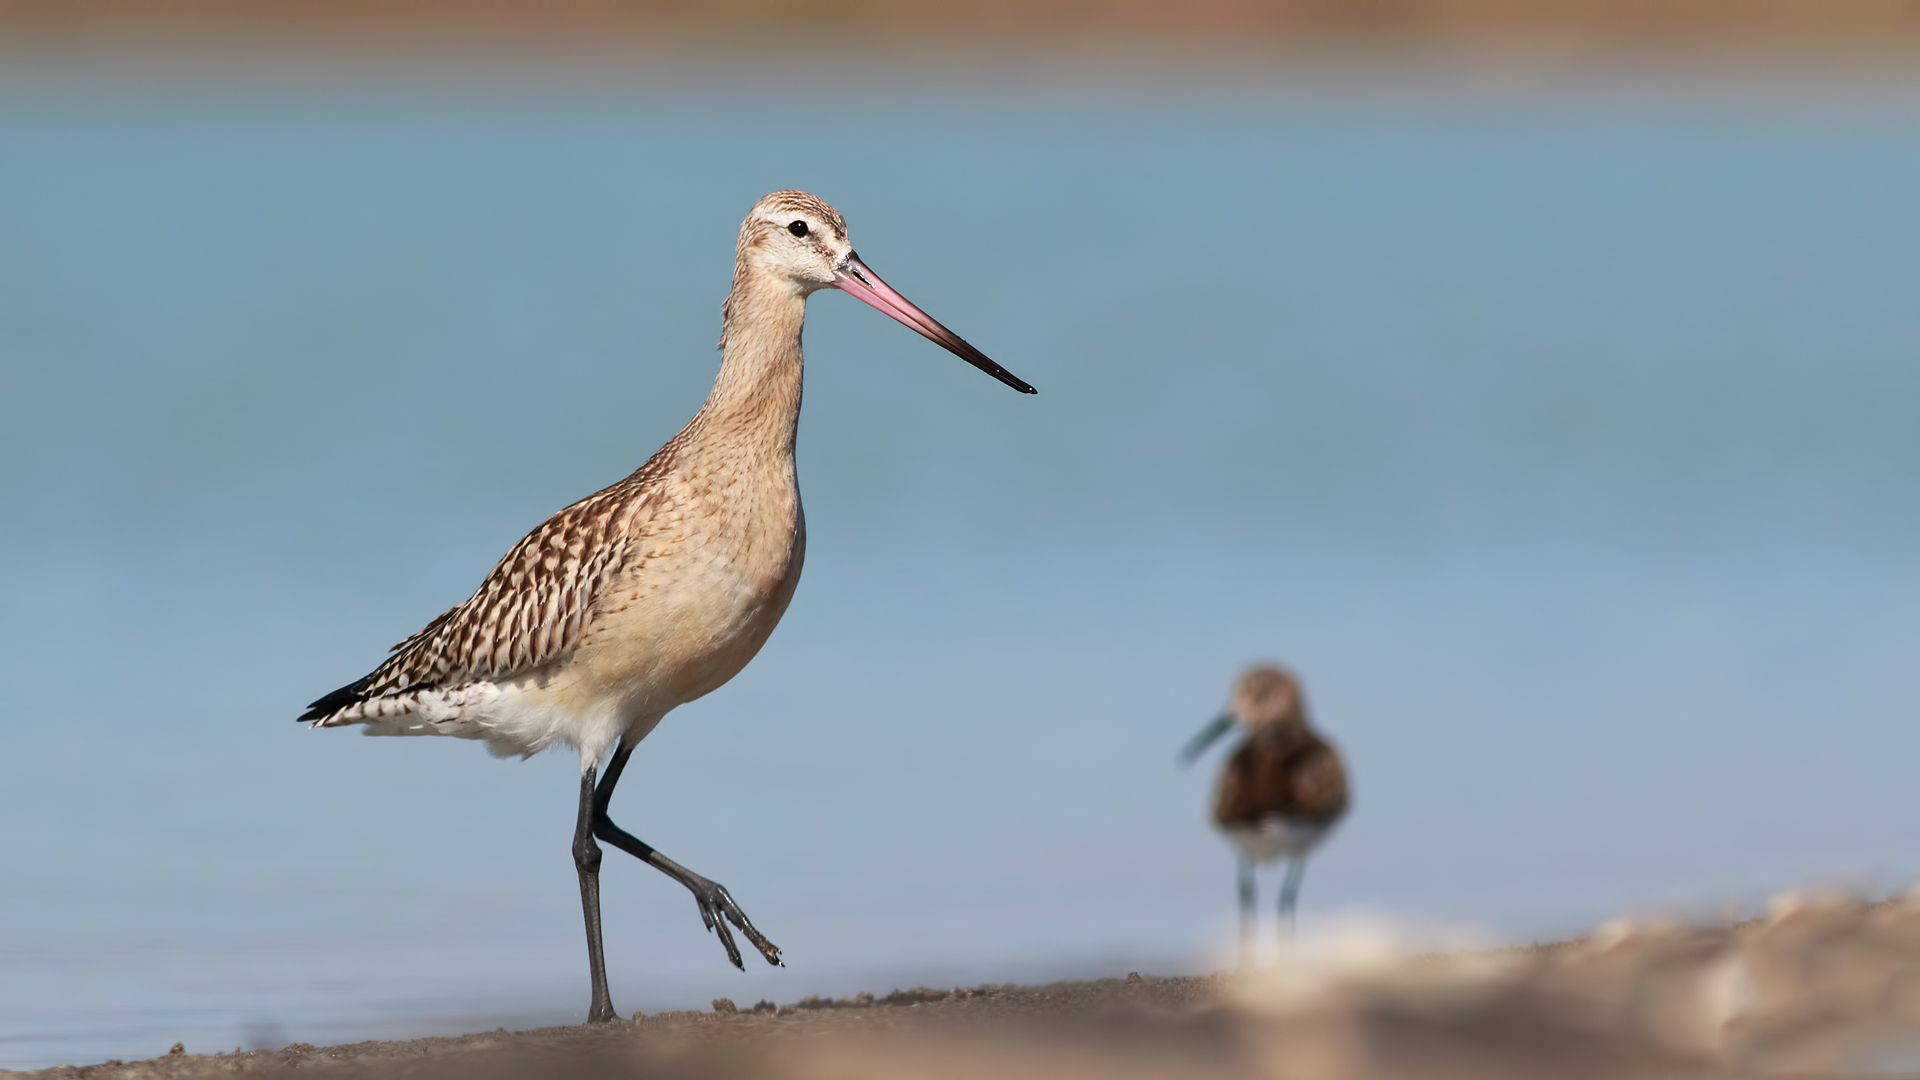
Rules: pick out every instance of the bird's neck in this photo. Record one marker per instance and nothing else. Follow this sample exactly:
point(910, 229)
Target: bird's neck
point(757, 394)
point(1285, 736)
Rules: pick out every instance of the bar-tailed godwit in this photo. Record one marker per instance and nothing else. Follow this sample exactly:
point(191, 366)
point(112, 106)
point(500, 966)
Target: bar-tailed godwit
point(1281, 792)
point(657, 590)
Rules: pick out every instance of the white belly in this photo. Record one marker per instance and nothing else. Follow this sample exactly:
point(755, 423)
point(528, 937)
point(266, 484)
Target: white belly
point(521, 716)
point(1277, 838)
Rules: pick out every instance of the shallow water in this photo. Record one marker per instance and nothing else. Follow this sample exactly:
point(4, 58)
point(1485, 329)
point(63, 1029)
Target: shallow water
point(1566, 447)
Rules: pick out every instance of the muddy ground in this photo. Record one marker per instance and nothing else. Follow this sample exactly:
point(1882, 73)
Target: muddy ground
point(1819, 987)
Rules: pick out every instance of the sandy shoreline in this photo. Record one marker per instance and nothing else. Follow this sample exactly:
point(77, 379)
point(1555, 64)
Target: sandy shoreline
point(718, 1042)
point(1820, 986)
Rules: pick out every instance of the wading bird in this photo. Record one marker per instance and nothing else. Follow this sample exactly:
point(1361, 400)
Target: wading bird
point(1281, 792)
point(657, 590)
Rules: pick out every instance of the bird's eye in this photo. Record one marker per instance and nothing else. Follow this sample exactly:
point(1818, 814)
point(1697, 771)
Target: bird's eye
point(798, 228)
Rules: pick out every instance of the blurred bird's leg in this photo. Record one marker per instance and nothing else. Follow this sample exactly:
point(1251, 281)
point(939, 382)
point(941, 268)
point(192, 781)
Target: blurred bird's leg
point(1290, 891)
point(717, 908)
point(586, 860)
point(1247, 923)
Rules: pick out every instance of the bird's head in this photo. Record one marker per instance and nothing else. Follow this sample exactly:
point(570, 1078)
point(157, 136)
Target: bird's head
point(1267, 699)
point(796, 238)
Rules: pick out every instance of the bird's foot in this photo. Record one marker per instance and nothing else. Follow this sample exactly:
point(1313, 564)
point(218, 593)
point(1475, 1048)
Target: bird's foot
point(717, 909)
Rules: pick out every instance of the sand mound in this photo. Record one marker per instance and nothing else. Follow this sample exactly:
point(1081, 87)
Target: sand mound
point(1821, 986)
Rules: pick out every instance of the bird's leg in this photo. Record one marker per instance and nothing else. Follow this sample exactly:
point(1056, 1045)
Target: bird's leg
point(586, 859)
point(717, 908)
point(1247, 925)
point(1290, 891)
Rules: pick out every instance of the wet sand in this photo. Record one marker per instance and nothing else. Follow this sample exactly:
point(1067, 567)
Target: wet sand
point(1819, 987)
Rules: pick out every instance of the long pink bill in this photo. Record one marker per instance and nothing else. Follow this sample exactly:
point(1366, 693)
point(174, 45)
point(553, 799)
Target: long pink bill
point(857, 279)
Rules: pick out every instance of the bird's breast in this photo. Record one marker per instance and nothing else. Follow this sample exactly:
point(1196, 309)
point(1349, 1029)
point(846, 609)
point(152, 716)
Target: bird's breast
point(703, 585)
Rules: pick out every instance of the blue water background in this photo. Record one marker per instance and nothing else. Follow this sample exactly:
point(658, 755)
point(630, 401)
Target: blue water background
point(1569, 447)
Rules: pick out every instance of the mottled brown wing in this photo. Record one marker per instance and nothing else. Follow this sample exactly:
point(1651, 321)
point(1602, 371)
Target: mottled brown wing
point(528, 611)
point(1263, 779)
point(1319, 783)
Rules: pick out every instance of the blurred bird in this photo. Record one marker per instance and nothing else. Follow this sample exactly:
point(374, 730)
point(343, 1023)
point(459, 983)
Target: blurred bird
point(1281, 792)
point(657, 590)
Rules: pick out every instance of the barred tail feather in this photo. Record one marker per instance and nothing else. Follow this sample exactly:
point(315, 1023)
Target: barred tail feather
point(353, 693)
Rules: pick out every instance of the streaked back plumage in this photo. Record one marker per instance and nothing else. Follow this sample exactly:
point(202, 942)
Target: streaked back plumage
point(530, 610)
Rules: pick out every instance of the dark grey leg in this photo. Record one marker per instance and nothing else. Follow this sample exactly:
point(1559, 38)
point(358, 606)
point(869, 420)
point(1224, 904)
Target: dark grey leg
point(586, 859)
point(1290, 891)
point(1247, 918)
point(716, 905)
